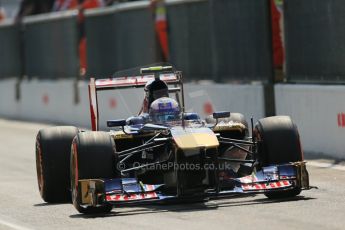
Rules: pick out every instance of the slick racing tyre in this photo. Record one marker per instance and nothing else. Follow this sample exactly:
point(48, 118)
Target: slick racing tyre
point(53, 147)
point(92, 157)
point(278, 143)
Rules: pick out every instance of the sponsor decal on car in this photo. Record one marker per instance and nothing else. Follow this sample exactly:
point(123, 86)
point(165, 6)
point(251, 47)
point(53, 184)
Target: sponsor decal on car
point(271, 185)
point(131, 197)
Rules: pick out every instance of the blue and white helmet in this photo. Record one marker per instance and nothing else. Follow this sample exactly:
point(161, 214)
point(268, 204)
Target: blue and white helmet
point(164, 110)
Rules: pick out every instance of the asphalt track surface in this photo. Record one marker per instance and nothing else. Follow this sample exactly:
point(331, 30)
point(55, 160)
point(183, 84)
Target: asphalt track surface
point(21, 207)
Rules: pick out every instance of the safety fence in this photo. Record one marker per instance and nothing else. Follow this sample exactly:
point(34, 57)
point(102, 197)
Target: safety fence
point(120, 37)
point(314, 39)
point(50, 44)
point(218, 40)
point(215, 40)
point(10, 51)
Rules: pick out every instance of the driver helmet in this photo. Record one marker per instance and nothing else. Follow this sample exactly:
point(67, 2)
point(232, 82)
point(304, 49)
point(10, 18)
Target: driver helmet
point(164, 110)
point(155, 89)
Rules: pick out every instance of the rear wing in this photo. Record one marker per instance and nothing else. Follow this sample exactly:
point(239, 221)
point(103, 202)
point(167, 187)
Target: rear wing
point(148, 74)
point(132, 82)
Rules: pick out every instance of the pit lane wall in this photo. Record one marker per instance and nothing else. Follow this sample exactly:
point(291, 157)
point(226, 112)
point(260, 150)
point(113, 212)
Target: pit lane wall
point(319, 112)
point(55, 101)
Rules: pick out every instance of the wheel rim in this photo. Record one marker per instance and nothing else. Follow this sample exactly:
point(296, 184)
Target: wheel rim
point(39, 166)
point(74, 175)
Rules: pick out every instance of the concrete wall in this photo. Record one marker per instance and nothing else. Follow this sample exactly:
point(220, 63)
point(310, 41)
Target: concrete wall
point(53, 101)
point(319, 112)
point(8, 104)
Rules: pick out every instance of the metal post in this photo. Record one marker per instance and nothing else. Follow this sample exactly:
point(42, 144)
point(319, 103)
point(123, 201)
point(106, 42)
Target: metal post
point(269, 84)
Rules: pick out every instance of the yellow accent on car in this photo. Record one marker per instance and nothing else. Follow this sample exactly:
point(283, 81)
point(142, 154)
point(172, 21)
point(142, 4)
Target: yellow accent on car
point(229, 126)
point(89, 189)
point(156, 68)
point(196, 140)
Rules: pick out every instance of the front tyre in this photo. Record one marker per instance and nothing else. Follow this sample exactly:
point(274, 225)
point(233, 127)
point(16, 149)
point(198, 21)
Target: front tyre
point(278, 143)
point(92, 157)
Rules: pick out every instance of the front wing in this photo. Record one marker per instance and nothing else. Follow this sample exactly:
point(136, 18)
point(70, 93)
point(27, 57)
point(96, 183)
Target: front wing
point(96, 192)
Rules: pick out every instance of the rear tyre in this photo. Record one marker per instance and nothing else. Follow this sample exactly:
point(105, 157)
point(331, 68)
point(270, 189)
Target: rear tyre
point(92, 157)
point(53, 147)
point(278, 143)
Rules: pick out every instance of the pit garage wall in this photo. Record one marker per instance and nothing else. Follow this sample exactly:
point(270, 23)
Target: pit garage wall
point(54, 101)
point(319, 112)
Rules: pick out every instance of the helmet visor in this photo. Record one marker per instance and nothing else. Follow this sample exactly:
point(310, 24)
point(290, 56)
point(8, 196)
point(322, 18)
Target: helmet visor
point(160, 93)
point(165, 118)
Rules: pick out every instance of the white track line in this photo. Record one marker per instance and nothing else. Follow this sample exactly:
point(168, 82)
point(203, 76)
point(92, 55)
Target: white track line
point(12, 226)
point(326, 165)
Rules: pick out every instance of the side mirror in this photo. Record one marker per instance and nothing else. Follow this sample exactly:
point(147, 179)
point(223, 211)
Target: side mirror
point(116, 123)
point(135, 120)
point(222, 114)
point(191, 116)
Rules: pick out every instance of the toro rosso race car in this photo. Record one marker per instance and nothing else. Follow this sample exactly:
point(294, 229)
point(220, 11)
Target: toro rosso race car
point(166, 154)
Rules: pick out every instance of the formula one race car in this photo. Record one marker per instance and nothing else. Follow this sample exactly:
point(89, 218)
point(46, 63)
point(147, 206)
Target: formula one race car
point(165, 154)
